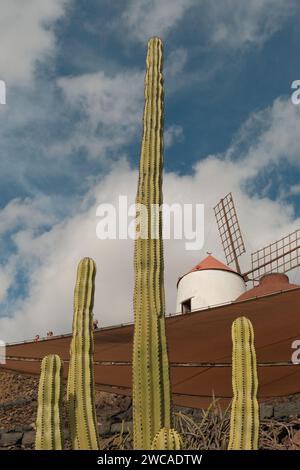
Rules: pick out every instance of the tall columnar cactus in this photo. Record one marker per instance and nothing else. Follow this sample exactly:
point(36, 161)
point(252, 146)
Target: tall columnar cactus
point(48, 424)
point(244, 424)
point(167, 439)
point(80, 391)
point(151, 383)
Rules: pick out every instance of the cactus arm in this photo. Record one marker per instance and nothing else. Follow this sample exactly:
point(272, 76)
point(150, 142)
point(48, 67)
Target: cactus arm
point(80, 390)
point(244, 423)
point(151, 383)
point(167, 439)
point(48, 425)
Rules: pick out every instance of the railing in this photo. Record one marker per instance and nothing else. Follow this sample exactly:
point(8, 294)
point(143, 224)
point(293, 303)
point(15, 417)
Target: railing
point(172, 364)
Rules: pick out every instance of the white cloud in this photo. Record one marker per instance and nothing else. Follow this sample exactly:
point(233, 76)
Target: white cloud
point(173, 133)
point(295, 189)
point(229, 23)
point(176, 62)
point(52, 258)
point(26, 213)
point(26, 36)
point(269, 136)
point(147, 18)
point(6, 279)
point(111, 107)
point(237, 24)
point(106, 99)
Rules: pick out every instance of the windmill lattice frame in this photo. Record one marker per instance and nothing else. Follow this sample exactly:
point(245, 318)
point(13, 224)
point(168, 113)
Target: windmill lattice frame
point(229, 230)
point(280, 256)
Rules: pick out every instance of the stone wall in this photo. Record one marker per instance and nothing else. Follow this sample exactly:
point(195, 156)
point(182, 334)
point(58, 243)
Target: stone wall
point(21, 437)
point(283, 408)
point(113, 421)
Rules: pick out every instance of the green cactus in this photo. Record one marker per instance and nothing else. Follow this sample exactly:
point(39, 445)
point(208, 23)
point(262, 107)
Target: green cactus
point(151, 382)
point(244, 424)
point(80, 390)
point(48, 424)
point(167, 439)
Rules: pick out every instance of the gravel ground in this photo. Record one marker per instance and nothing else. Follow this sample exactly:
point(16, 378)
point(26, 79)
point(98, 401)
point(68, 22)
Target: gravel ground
point(18, 401)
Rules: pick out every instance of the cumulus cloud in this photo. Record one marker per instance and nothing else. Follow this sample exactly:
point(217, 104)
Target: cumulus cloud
point(6, 279)
point(146, 18)
point(295, 189)
point(111, 108)
point(26, 213)
point(26, 36)
point(229, 24)
point(269, 136)
point(176, 62)
point(173, 133)
point(237, 24)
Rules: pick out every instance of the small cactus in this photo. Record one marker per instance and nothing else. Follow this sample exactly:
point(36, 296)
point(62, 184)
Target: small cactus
point(244, 424)
point(48, 424)
point(167, 439)
point(80, 390)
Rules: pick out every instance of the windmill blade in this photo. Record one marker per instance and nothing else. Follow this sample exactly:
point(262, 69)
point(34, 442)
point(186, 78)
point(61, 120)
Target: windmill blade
point(229, 230)
point(280, 256)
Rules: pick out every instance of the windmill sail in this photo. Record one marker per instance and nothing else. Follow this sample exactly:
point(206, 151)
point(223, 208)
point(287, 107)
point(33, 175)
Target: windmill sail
point(280, 256)
point(229, 230)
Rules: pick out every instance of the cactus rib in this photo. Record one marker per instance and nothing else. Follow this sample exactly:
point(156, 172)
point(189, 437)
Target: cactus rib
point(80, 390)
point(167, 439)
point(48, 424)
point(244, 424)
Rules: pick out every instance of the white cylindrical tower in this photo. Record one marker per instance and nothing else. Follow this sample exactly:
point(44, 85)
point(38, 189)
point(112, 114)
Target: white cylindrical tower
point(209, 283)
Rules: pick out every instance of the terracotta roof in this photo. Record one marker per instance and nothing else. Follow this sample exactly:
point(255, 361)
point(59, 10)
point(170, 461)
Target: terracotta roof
point(268, 284)
point(210, 262)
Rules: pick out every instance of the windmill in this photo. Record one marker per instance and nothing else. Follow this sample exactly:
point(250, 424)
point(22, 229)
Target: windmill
point(282, 255)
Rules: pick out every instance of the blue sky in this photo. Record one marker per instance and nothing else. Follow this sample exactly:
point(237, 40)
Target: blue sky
point(70, 137)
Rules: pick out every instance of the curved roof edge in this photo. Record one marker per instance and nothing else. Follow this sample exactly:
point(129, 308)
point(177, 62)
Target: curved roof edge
point(210, 263)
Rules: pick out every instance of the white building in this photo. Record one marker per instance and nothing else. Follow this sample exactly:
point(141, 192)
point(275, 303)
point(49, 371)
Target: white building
point(209, 283)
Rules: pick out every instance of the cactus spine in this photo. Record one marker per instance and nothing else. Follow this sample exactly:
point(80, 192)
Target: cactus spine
point(244, 424)
point(48, 425)
point(151, 384)
point(80, 390)
point(167, 439)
